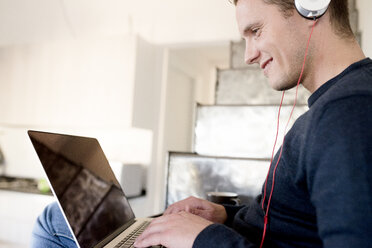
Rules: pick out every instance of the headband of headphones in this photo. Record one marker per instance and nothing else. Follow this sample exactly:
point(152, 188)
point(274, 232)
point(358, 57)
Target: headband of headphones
point(312, 9)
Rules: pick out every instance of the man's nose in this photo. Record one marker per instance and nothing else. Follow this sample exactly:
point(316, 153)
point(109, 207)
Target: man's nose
point(251, 53)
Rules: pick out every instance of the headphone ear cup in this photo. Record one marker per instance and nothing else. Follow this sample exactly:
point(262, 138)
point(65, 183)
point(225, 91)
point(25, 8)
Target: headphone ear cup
point(312, 9)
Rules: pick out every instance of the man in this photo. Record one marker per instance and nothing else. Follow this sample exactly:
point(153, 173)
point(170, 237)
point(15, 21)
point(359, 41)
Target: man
point(323, 183)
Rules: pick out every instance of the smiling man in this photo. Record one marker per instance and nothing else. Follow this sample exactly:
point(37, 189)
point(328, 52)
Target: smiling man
point(323, 178)
point(323, 182)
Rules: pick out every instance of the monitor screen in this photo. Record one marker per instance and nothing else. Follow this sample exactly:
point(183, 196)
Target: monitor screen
point(82, 180)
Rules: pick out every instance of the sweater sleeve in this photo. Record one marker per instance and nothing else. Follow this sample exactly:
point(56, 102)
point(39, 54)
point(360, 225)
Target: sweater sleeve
point(339, 172)
point(218, 235)
point(231, 211)
point(223, 235)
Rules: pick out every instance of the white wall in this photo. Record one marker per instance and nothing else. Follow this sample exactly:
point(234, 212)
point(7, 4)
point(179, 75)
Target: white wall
point(122, 90)
point(168, 82)
point(74, 83)
point(149, 111)
point(365, 21)
point(78, 86)
point(200, 61)
point(163, 21)
point(176, 127)
point(185, 21)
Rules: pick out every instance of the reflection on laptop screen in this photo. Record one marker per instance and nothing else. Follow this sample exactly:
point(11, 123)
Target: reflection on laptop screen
point(82, 180)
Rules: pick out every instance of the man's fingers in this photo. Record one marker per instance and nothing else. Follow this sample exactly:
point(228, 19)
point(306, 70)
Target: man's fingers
point(185, 205)
point(157, 226)
point(153, 228)
point(174, 208)
point(150, 240)
point(202, 213)
point(155, 232)
point(160, 219)
point(198, 212)
point(175, 230)
point(171, 210)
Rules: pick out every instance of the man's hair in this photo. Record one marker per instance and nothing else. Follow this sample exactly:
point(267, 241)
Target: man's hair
point(338, 11)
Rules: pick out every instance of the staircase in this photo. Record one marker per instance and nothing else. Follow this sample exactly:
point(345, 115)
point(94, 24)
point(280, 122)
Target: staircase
point(234, 138)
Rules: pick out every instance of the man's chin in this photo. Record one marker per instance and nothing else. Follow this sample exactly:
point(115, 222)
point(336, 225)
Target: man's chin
point(275, 86)
point(280, 86)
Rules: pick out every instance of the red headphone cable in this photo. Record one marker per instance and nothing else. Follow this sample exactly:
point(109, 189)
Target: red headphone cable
point(266, 217)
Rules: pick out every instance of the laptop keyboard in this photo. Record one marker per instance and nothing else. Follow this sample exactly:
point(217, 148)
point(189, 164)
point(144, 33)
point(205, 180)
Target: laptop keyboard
point(128, 241)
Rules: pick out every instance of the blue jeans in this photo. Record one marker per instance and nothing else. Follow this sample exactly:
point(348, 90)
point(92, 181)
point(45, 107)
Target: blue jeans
point(51, 230)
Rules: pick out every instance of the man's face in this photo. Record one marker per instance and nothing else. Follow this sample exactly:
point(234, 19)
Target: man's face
point(273, 41)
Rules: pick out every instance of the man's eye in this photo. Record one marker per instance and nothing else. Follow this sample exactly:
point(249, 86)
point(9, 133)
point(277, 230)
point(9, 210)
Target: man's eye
point(255, 30)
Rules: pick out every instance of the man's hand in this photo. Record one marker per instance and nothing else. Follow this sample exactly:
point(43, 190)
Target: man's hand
point(177, 230)
point(208, 210)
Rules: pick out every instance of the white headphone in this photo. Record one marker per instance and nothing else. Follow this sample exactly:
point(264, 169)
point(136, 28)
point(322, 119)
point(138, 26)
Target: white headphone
point(312, 9)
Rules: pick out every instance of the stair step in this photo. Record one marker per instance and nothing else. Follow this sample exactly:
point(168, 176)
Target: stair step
point(240, 131)
point(250, 86)
point(190, 174)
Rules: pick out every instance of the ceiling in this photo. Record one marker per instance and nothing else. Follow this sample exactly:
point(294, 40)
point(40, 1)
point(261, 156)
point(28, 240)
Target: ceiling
point(163, 21)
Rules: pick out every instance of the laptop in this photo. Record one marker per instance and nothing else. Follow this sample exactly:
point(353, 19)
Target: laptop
point(88, 193)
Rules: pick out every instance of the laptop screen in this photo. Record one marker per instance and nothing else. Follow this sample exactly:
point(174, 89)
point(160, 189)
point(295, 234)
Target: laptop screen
point(82, 180)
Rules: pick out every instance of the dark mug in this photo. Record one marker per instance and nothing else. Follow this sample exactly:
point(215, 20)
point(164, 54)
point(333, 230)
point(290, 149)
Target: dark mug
point(223, 198)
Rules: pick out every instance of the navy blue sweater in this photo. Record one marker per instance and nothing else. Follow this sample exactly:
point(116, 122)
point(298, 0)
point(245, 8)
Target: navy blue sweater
point(323, 186)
